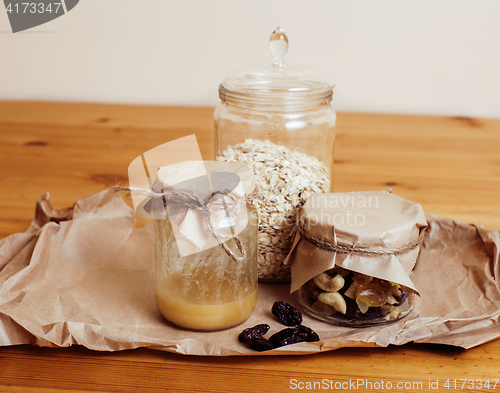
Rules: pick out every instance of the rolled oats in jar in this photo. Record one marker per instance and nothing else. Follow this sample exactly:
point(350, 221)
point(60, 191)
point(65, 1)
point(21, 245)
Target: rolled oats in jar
point(279, 119)
point(353, 257)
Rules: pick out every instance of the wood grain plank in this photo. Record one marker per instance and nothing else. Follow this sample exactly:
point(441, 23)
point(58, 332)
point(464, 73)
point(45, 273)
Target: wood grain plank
point(449, 165)
point(147, 369)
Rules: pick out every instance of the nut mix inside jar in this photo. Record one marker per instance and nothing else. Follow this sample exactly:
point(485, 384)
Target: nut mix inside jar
point(353, 257)
point(278, 118)
point(352, 298)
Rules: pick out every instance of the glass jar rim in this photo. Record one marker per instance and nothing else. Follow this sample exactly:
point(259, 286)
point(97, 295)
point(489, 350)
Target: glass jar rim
point(276, 98)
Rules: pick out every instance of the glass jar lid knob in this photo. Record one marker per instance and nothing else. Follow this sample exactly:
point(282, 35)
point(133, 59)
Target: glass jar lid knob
point(277, 80)
point(279, 45)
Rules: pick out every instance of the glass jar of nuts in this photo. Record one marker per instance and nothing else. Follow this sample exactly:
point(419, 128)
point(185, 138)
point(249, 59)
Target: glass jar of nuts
point(278, 117)
point(354, 255)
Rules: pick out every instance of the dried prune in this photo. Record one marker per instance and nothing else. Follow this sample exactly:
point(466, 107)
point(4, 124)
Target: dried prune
point(260, 343)
point(401, 298)
point(308, 334)
point(283, 337)
point(352, 308)
point(372, 313)
point(287, 314)
point(292, 336)
point(348, 281)
point(247, 335)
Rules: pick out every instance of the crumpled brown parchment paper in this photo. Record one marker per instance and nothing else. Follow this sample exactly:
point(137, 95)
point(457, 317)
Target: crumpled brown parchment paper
point(85, 276)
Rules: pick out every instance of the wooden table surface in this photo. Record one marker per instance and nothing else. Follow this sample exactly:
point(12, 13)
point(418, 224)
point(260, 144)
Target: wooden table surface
point(450, 165)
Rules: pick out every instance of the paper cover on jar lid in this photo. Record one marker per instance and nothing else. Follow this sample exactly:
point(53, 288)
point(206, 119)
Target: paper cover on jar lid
point(190, 196)
point(374, 232)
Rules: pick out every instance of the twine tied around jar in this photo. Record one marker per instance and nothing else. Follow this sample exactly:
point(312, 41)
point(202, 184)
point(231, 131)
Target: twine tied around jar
point(379, 251)
point(159, 200)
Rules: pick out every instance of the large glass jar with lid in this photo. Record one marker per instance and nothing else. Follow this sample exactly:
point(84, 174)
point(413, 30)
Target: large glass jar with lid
point(278, 117)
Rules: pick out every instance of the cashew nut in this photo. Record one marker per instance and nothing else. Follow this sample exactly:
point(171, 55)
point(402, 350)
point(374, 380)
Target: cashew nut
point(393, 314)
point(323, 308)
point(335, 300)
point(328, 283)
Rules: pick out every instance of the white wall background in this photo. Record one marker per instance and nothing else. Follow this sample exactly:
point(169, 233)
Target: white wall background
point(393, 56)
